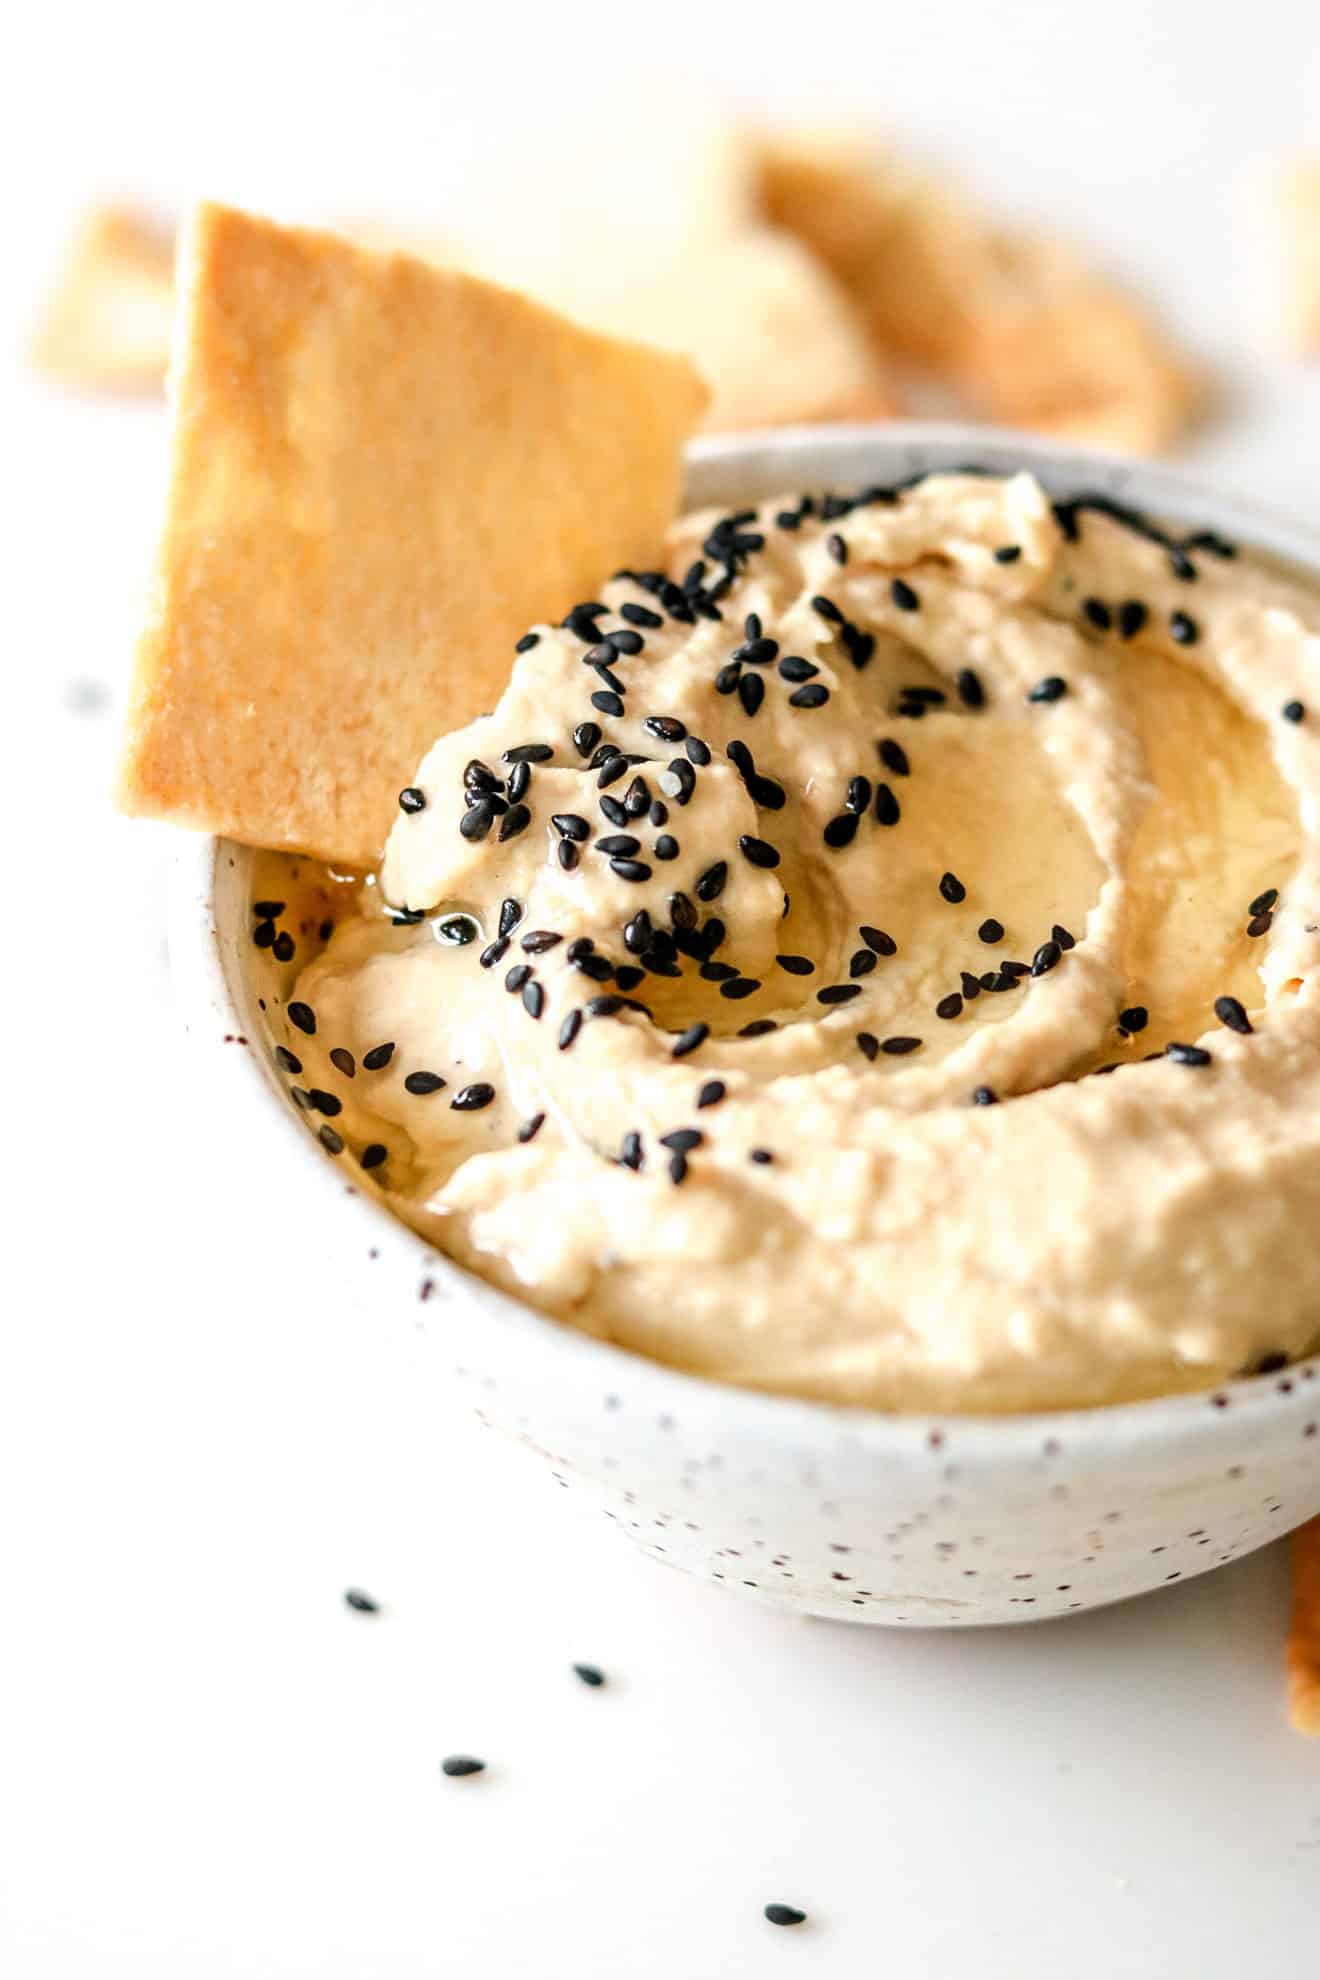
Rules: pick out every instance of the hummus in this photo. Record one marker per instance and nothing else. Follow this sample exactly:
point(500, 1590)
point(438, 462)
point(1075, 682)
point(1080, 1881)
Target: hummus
point(874, 959)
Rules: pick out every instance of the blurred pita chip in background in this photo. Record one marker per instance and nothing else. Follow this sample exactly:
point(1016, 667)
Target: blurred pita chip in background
point(810, 277)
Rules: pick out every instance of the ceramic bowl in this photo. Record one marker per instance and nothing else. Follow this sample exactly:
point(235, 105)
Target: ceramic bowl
point(834, 1512)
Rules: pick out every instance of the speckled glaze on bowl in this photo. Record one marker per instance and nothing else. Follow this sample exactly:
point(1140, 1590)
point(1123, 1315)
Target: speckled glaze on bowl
point(834, 1512)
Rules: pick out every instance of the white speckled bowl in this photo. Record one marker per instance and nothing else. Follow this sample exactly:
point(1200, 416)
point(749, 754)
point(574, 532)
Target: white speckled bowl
point(835, 1512)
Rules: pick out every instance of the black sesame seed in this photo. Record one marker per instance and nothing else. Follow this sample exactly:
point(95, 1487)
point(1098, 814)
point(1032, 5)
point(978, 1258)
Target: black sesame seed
point(1293, 711)
point(784, 1914)
point(344, 1062)
point(931, 697)
point(1231, 1013)
point(683, 1140)
point(1052, 688)
point(304, 1017)
point(619, 845)
point(611, 770)
point(1008, 553)
point(758, 652)
point(738, 987)
point(604, 1007)
point(812, 696)
point(717, 972)
point(837, 548)
point(826, 609)
point(626, 642)
point(1266, 902)
point(950, 1006)
point(378, 1057)
point(1187, 1055)
point(1097, 613)
point(374, 1154)
point(630, 1151)
point(567, 854)
point(970, 690)
point(528, 753)
point(637, 933)
point(459, 1765)
point(412, 799)
point(682, 912)
point(952, 889)
point(838, 993)
point(515, 820)
point(971, 985)
point(757, 1028)
point(406, 917)
point(698, 751)
point(991, 930)
point(282, 947)
point(667, 727)
point(477, 821)
point(1060, 935)
point(598, 968)
point(330, 1141)
point(666, 846)
point(608, 704)
point(286, 1061)
point(678, 1168)
point(1132, 616)
point(585, 737)
point(519, 778)
point(688, 1041)
point(887, 809)
point(630, 869)
point(876, 938)
point(640, 615)
point(478, 777)
point(751, 692)
point(904, 596)
point(530, 1129)
point(570, 1028)
point(1260, 924)
point(533, 997)
point(861, 962)
point(424, 1082)
point(527, 642)
point(898, 1048)
point(984, 1096)
point(711, 1093)
point(711, 884)
point(570, 825)
point(1183, 628)
point(794, 668)
point(324, 1103)
point(679, 780)
point(796, 965)
point(267, 910)
point(841, 831)
point(1135, 1018)
point(858, 794)
point(755, 851)
point(470, 1099)
point(516, 977)
point(1045, 958)
point(894, 757)
point(868, 1044)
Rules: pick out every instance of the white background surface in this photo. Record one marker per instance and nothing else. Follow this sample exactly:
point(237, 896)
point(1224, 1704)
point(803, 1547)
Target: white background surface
point(208, 1767)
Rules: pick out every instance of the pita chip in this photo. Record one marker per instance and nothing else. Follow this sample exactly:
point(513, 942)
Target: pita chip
point(383, 473)
point(106, 327)
point(1304, 1635)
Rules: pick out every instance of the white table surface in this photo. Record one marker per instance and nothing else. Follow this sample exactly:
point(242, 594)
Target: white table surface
point(208, 1766)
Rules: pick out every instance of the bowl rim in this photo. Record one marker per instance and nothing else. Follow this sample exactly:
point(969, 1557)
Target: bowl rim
point(212, 1018)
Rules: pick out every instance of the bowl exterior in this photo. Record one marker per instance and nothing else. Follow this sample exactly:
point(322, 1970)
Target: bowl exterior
point(832, 1512)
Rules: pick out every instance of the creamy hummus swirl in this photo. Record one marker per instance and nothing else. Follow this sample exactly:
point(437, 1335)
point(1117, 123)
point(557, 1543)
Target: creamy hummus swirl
point(873, 959)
